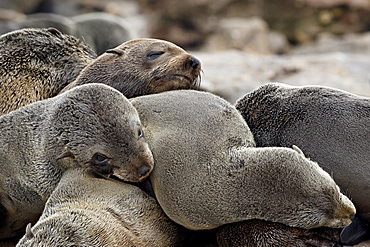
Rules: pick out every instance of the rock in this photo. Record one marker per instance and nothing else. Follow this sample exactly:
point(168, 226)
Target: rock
point(246, 34)
point(11, 15)
point(20, 5)
point(326, 42)
point(231, 74)
point(185, 23)
point(351, 3)
point(189, 22)
point(279, 44)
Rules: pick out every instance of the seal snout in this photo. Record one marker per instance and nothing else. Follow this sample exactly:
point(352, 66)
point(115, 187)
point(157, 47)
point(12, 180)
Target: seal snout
point(194, 62)
point(144, 170)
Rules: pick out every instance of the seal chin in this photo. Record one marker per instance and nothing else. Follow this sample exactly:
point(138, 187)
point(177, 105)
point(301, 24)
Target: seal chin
point(133, 176)
point(172, 82)
point(339, 223)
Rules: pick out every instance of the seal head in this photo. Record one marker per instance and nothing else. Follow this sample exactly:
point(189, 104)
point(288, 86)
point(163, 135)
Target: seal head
point(143, 66)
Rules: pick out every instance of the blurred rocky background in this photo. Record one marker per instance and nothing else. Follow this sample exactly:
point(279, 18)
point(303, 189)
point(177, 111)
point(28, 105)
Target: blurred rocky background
point(241, 43)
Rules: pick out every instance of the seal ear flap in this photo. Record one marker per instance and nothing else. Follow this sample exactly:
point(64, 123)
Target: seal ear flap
point(298, 150)
point(55, 32)
point(66, 154)
point(133, 103)
point(29, 233)
point(117, 51)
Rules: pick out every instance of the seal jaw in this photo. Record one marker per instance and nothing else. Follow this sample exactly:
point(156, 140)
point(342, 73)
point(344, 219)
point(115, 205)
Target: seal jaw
point(137, 169)
point(134, 177)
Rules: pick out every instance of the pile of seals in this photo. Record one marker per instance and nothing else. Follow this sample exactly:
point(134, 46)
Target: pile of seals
point(75, 161)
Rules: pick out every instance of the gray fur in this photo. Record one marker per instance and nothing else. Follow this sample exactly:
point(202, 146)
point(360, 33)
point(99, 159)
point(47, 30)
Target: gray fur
point(208, 171)
point(132, 69)
point(42, 140)
point(35, 64)
point(47, 20)
point(331, 126)
point(86, 209)
point(103, 31)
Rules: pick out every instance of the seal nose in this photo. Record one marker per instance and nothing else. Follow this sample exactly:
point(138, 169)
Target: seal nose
point(143, 170)
point(194, 62)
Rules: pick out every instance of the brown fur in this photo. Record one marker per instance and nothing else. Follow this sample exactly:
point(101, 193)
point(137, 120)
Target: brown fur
point(143, 66)
point(87, 209)
point(35, 64)
point(259, 233)
point(93, 125)
point(208, 171)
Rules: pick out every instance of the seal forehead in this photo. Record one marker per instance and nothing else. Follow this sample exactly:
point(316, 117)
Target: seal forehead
point(149, 44)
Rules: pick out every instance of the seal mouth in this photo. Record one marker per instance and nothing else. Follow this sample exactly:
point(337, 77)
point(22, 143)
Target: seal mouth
point(185, 81)
point(182, 77)
point(132, 177)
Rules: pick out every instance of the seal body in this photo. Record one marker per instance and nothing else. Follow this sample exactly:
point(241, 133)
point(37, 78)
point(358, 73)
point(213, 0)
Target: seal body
point(92, 125)
point(87, 209)
point(331, 126)
point(208, 171)
point(36, 64)
point(141, 67)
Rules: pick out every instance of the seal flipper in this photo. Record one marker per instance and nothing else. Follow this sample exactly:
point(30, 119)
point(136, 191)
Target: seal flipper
point(355, 233)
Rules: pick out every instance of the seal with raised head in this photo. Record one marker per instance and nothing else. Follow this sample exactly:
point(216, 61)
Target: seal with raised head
point(208, 171)
point(36, 64)
point(331, 126)
point(87, 209)
point(92, 125)
point(141, 67)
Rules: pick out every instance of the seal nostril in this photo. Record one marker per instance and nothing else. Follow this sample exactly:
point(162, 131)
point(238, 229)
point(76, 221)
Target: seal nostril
point(194, 62)
point(143, 170)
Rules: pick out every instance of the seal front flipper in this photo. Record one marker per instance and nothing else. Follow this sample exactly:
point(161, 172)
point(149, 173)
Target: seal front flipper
point(356, 232)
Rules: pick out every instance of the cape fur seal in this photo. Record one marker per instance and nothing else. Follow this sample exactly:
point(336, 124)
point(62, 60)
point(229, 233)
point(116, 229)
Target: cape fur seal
point(86, 209)
point(36, 64)
point(208, 171)
point(143, 66)
point(331, 126)
point(92, 125)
